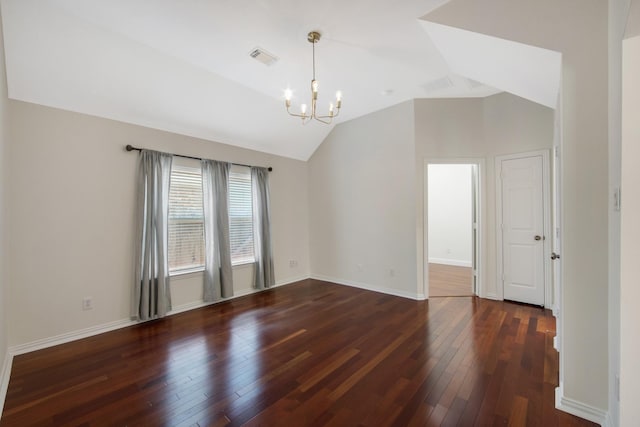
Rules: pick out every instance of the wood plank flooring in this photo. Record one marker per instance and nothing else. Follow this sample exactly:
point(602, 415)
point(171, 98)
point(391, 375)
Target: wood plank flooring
point(449, 281)
point(306, 354)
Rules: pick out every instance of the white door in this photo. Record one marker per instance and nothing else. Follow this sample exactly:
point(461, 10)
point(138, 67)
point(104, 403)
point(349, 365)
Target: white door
point(523, 229)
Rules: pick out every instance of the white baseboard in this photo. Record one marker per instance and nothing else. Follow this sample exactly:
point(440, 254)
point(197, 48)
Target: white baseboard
point(368, 287)
point(5, 374)
point(70, 336)
point(454, 262)
point(492, 296)
point(609, 421)
point(580, 409)
point(123, 323)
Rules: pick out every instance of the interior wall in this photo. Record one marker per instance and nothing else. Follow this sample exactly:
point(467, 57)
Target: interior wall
point(618, 11)
point(450, 214)
point(630, 236)
point(4, 124)
point(71, 209)
point(362, 204)
point(582, 38)
point(480, 128)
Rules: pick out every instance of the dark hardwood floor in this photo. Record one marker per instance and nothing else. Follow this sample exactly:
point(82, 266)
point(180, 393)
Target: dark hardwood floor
point(450, 281)
point(307, 354)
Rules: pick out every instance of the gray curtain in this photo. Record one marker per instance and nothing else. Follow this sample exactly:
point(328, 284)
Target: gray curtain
point(264, 277)
point(218, 278)
point(151, 292)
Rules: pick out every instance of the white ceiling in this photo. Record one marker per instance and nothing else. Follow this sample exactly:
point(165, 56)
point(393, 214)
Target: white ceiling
point(530, 72)
point(184, 66)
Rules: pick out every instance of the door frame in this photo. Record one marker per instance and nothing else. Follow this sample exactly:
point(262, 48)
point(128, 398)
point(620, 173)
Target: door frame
point(546, 219)
point(478, 251)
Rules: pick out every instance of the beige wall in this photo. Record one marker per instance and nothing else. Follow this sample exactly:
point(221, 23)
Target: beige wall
point(480, 129)
point(362, 204)
point(364, 222)
point(71, 210)
point(630, 226)
point(618, 11)
point(4, 124)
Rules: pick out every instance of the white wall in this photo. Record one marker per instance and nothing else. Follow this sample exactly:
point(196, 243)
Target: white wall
point(479, 129)
point(4, 124)
point(630, 232)
point(71, 210)
point(362, 204)
point(450, 214)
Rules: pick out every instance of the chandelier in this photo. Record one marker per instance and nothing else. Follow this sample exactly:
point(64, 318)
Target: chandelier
point(314, 37)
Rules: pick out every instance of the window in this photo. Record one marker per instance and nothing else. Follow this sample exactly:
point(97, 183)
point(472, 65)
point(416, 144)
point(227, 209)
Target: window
point(240, 216)
point(186, 220)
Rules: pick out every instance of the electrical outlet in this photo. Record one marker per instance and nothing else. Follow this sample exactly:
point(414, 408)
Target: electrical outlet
point(392, 272)
point(87, 303)
point(293, 263)
point(359, 267)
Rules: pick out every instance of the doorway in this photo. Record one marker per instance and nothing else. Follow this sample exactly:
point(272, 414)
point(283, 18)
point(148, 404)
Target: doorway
point(452, 218)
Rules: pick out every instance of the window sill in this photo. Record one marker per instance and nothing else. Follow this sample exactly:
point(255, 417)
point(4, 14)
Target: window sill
point(186, 273)
point(243, 264)
point(194, 271)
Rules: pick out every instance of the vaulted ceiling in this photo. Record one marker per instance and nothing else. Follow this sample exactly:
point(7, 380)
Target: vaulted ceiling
point(185, 66)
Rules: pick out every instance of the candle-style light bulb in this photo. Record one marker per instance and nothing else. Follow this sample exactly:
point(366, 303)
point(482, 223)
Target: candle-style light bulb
point(287, 97)
point(314, 85)
point(338, 99)
point(331, 108)
point(303, 109)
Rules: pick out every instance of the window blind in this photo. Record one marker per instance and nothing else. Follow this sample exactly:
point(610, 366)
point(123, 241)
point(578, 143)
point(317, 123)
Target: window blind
point(186, 220)
point(241, 216)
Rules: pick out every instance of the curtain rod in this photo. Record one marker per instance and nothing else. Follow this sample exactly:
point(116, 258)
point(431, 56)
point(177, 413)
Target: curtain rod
point(130, 147)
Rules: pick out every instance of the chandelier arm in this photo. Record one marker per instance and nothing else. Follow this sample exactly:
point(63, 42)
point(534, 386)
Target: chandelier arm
point(326, 122)
point(331, 116)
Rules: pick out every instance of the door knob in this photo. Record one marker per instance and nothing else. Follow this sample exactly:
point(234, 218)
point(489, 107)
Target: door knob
point(538, 238)
point(555, 255)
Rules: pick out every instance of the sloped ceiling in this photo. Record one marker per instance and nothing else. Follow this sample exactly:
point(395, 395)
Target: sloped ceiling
point(527, 71)
point(184, 66)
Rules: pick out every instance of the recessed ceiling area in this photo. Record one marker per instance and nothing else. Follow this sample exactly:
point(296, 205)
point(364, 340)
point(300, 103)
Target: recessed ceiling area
point(186, 67)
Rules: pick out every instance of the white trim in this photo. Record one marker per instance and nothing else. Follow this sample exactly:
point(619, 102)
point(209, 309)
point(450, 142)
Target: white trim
point(368, 287)
point(454, 262)
point(480, 185)
point(70, 336)
point(608, 422)
point(492, 296)
point(546, 219)
point(580, 409)
point(5, 374)
point(123, 323)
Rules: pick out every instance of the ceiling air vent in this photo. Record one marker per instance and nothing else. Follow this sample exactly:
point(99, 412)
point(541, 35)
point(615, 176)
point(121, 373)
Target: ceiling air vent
point(259, 54)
